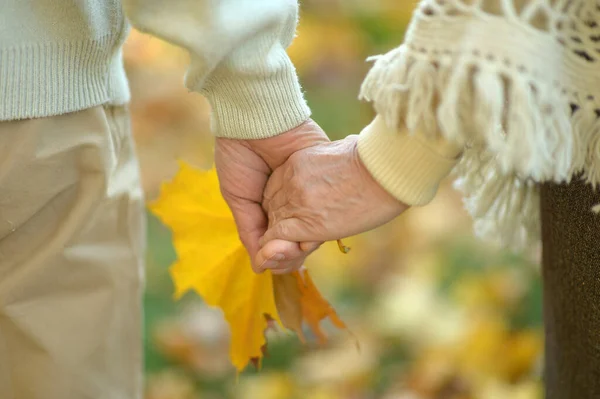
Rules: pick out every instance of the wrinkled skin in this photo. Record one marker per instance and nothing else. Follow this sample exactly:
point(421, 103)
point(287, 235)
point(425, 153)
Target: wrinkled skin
point(243, 167)
point(323, 193)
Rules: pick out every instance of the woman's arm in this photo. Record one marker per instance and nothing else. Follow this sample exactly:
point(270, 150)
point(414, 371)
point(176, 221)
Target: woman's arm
point(506, 85)
point(509, 84)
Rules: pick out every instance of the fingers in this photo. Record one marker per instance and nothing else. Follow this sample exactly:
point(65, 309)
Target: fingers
point(277, 208)
point(282, 256)
point(251, 222)
point(274, 194)
point(291, 229)
point(275, 183)
point(310, 246)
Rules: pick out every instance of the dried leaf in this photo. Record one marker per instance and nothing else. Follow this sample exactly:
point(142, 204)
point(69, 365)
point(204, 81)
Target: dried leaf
point(288, 302)
point(314, 307)
point(213, 262)
point(299, 301)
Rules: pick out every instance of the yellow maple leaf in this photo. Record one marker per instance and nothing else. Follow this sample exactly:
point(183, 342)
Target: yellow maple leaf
point(213, 262)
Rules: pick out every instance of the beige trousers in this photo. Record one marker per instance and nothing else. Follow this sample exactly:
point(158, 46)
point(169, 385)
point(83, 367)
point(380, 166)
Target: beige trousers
point(71, 250)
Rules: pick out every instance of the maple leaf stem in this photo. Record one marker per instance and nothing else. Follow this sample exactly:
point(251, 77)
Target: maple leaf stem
point(344, 249)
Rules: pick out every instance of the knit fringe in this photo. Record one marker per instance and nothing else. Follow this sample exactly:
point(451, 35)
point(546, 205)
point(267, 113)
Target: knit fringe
point(516, 133)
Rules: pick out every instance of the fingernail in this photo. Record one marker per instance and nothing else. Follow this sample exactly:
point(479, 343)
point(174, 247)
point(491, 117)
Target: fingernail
point(269, 264)
point(273, 261)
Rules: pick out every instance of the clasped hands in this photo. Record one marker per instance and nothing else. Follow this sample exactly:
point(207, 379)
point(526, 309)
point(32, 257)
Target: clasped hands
point(290, 193)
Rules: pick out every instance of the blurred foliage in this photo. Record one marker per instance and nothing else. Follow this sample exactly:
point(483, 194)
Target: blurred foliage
point(437, 314)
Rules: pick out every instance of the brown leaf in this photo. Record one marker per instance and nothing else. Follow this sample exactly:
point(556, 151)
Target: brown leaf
point(299, 301)
point(288, 302)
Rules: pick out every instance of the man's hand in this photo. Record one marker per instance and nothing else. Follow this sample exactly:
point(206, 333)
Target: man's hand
point(244, 167)
point(325, 193)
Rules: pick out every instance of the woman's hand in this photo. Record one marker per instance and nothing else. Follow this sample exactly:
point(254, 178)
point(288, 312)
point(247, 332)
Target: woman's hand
point(243, 167)
point(324, 193)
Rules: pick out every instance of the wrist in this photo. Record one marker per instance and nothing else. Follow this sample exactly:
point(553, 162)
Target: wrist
point(277, 149)
point(379, 194)
point(407, 166)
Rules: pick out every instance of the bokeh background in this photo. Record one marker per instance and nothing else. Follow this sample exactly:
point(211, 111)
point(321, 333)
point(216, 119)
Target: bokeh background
point(437, 313)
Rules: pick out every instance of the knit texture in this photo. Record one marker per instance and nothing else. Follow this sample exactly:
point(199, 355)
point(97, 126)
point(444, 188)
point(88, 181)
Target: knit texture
point(514, 82)
point(407, 166)
point(59, 56)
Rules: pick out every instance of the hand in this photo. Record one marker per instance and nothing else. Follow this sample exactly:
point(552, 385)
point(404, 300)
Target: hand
point(325, 193)
point(243, 167)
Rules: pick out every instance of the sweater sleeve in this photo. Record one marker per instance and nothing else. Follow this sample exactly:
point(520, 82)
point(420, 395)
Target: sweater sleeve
point(238, 59)
point(408, 166)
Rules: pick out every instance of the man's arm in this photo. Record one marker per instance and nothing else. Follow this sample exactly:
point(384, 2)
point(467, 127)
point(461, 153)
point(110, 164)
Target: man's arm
point(239, 62)
point(238, 59)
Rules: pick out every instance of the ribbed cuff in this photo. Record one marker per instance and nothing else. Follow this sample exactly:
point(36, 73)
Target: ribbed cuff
point(258, 105)
point(408, 167)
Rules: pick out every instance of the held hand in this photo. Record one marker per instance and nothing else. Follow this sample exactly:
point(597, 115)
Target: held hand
point(325, 193)
point(243, 167)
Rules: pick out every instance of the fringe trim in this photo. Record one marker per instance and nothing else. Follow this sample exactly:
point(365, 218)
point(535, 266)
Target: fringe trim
point(517, 133)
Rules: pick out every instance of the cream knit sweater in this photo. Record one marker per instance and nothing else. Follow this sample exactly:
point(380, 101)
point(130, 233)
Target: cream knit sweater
point(59, 56)
point(513, 85)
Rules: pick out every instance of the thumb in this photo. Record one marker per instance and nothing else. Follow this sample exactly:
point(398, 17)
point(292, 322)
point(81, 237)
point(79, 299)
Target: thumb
point(286, 229)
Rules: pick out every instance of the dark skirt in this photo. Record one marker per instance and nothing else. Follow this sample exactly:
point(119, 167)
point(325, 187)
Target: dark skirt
point(571, 276)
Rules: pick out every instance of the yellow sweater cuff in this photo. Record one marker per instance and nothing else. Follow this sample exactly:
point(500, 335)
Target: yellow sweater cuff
point(408, 166)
